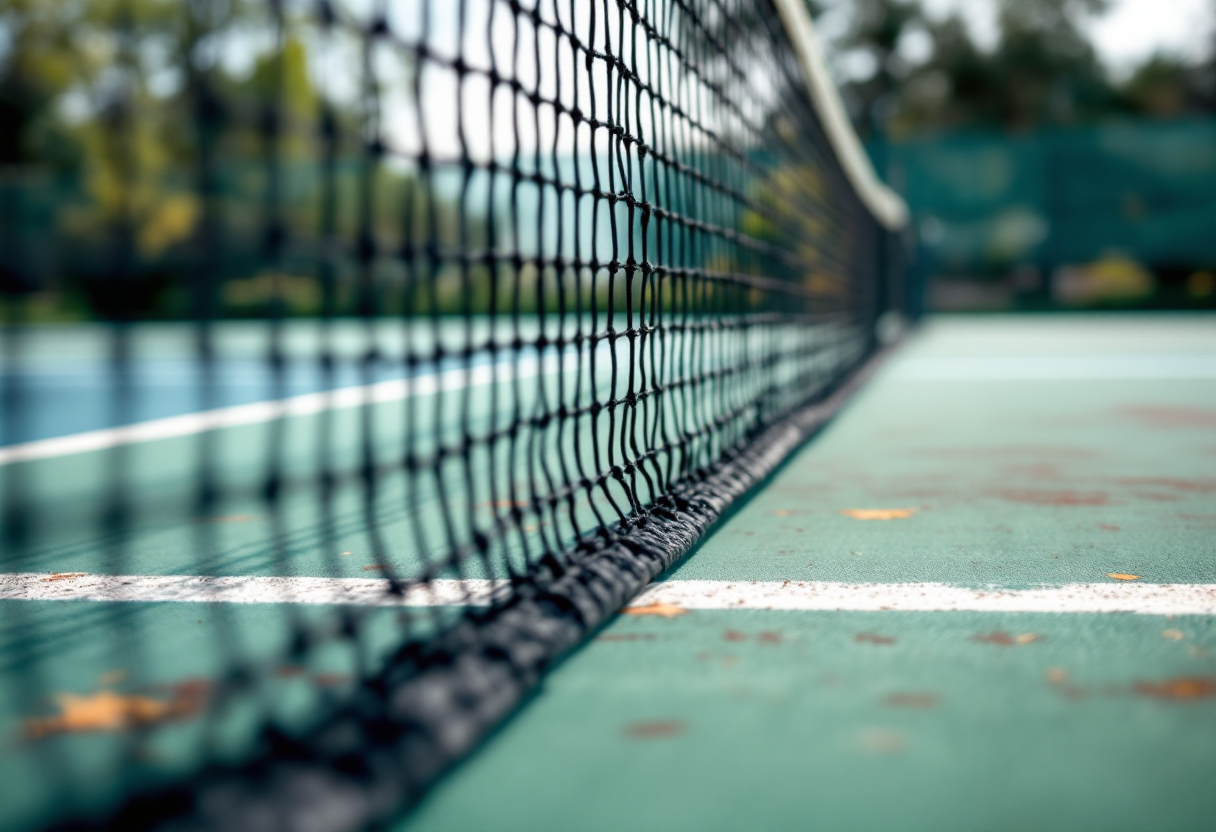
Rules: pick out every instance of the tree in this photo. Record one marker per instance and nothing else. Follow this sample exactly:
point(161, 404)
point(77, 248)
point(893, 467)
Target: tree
point(1047, 69)
point(38, 63)
point(1042, 69)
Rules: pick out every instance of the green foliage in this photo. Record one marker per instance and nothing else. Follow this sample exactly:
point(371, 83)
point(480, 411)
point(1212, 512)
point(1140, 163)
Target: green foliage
point(113, 110)
point(1041, 70)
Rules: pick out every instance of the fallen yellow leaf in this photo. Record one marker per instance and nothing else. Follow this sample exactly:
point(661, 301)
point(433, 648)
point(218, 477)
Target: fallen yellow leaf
point(102, 711)
point(1057, 675)
point(664, 610)
point(1026, 638)
point(110, 711)
point(878, 513)
point(1173, 635)
point(1122, 576)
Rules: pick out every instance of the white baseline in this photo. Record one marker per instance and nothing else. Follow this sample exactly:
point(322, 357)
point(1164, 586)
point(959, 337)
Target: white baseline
point(1142, 598)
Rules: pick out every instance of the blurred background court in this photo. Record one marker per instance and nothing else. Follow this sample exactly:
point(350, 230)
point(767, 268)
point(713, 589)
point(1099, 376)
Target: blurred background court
point(1056, 155)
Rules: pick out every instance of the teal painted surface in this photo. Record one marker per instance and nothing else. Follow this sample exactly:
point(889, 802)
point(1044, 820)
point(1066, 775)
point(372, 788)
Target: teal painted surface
point(1015, 482)
point(915, 721)
point(771, 721)
point(171, 653)
point(696, 723)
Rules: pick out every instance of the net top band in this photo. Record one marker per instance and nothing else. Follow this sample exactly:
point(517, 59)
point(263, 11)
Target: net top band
point(886, 205)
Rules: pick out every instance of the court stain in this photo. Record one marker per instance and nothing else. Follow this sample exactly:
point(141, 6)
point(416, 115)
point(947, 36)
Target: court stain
point(920, 701)
point(1179, 689)
point(654, 729)
point(1001, 639)
point(873, 638)
point(1169, 418)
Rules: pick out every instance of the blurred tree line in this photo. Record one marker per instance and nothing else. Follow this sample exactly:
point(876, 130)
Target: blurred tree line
point(907, 71)
point(163, 158)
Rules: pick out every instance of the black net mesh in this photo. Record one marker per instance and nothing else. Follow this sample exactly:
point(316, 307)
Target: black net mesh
point(409, 340)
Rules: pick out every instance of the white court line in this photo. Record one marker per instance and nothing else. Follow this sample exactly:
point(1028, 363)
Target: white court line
point(364, 592)
point(1148, 599)
point(305, 404)
point(1071, 367)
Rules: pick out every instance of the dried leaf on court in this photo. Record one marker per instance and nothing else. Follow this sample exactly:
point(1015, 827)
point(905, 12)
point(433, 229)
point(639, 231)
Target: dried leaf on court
point(1173, 635)
point(664, 610)
point(1026, 638)
point(1122, 576)
point(879, 513)
point(105, 711)
point(1057, 675)
point(64, 576)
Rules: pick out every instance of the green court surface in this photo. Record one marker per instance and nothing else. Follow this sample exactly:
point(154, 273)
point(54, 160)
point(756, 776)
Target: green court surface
point(1005, 453)
point(1036, 452)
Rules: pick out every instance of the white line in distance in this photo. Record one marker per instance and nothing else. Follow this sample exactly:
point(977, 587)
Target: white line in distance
point(1054, 367)
point(306, 404)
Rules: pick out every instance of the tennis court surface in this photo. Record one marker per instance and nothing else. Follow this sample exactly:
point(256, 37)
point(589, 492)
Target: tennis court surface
point(493, 415)
point(1032, 456)
point(926, 620)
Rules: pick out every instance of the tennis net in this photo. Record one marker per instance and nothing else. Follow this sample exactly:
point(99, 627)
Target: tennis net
point(411, 340)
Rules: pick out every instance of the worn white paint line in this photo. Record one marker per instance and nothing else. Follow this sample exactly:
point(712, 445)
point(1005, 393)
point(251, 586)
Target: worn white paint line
point(1063, 367)
point(366, 592)
point(1149, 599)
point(268, 411)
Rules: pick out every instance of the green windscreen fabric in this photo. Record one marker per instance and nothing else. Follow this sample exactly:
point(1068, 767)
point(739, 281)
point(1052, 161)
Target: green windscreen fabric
point(988, 202)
